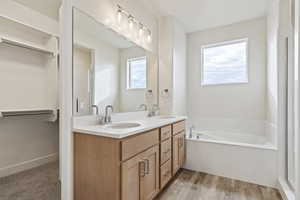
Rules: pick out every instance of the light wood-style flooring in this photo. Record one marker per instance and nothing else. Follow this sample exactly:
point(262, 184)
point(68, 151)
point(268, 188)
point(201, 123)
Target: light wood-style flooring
point(189, 185)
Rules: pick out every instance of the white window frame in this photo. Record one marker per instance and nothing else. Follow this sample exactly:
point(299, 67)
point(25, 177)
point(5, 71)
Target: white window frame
point(223, 44)
point(128, 73)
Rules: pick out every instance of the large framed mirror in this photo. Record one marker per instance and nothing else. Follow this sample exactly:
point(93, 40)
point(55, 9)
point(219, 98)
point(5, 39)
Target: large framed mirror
point(109, 69)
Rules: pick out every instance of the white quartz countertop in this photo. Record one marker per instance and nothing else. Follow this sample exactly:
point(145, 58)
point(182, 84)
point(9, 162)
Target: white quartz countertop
point(145, 125)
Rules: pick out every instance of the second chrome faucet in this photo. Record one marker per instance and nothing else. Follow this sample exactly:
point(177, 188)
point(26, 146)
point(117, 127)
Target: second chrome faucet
point(153, 111)
point(107, 117)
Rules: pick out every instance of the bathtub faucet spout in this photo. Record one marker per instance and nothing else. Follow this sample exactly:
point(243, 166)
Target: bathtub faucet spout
point(191, 131)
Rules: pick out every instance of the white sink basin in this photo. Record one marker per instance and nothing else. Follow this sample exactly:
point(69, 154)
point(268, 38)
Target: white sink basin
point(124, 125)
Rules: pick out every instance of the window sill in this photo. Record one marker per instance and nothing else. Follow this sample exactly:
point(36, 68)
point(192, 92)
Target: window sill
point(220, 84)
point(136, 89)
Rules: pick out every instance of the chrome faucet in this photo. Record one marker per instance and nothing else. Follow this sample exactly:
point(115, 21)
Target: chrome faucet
point(97, 109)
point(107, 117)
point(143, 107)
point(99, 117)
point(153, 110)
point(191, 131)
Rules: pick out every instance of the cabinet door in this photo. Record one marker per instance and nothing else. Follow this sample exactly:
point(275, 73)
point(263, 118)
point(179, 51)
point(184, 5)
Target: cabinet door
point(178, 151)
point(181, 151)
point(132, 170)
point(140, 176)
point(175, 157)
point(149, 183)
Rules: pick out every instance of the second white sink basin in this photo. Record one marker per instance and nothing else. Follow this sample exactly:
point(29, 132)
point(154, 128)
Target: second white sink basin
point(124, 125)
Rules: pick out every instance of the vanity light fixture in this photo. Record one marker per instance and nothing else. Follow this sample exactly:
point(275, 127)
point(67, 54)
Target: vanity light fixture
point(119, 14)
point(132, 21)
point(149, 37)
point(141, 30)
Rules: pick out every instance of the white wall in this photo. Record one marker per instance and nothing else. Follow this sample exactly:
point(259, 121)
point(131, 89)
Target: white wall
point(297, 119)
point(272, 75)
point(27, 16)
point(165, 64)
point(172, 66)
point(26, 143)
point(66, 99)
point(180, 68)
point(272, 70)
point(229, 107)
point(48, 8)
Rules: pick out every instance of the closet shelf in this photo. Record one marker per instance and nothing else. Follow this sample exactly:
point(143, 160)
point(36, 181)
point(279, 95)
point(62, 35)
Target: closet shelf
point(33, 112)
point(26, 44)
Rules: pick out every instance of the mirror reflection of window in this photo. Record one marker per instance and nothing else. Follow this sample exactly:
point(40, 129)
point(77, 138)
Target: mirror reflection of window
point(137, 73)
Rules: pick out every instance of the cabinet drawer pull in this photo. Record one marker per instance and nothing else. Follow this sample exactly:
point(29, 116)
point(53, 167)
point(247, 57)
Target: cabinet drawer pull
point(148, 166)
point(142, 168)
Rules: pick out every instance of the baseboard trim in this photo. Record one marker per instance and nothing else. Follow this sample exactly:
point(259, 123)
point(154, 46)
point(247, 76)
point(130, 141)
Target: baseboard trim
point(12, 169)
point(285, 191)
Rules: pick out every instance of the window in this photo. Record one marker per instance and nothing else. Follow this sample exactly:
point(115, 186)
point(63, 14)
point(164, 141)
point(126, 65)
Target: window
point(137, 73)
point(225, 63)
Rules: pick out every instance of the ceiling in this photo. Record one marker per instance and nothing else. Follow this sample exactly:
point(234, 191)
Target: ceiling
point(198, 15)
point(195, 15)
point(49, 8)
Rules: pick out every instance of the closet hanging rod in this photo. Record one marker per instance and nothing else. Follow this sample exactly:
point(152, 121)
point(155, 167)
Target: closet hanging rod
point(24, 44)
point(25, 113)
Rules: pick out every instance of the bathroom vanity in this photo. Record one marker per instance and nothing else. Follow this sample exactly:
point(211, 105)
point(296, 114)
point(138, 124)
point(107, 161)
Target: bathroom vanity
point(127, 163)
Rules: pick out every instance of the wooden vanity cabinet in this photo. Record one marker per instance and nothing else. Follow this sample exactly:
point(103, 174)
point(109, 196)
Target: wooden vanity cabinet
point(133, 168)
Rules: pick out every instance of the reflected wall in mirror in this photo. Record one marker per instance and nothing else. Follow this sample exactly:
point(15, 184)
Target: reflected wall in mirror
point(110, 70)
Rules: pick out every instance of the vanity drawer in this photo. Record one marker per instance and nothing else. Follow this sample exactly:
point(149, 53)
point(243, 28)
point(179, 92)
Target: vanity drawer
point(136, 144)
point(165, 151)
point(165, 132)
point(165, 173)
point(178, 127)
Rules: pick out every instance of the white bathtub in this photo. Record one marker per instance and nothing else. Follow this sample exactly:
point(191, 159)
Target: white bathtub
point(241, 156)
point(231, 138)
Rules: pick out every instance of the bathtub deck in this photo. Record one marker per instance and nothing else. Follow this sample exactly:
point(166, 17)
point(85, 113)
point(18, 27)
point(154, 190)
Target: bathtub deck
point(189, 185)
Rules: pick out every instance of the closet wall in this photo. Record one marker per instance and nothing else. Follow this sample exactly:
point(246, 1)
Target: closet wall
point(28, 82)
